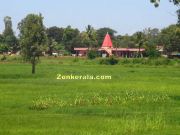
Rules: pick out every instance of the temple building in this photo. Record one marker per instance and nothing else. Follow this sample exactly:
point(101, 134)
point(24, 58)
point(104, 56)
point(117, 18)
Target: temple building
point(107, 50)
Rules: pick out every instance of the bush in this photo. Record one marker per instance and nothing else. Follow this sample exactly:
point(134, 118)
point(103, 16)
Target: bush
point(66, 53)
point(3, 48)
point(125, 61)
point(92, 54)
point(160, 61)
point(137, 61)
point(148, 61)
point(75, 60)
point(153, 54)
point(113, 61)
point(109, 61)
point(3, 58)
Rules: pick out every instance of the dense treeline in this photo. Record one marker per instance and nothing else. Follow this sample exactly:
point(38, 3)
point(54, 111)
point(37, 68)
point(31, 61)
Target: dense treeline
point(63, 40)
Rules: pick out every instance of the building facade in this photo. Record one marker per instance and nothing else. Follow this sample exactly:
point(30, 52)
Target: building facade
point(107, 50)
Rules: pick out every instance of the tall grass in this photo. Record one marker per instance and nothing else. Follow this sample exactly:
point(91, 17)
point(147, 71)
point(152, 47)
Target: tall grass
point(127, 98)
point(105, 61)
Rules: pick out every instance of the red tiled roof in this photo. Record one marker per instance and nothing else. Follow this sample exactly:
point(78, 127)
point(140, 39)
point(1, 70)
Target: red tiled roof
point(114, 49)
point(107, 41)
point(129, 49)
point(120, 49)
point(136, 49)
point(80, 49)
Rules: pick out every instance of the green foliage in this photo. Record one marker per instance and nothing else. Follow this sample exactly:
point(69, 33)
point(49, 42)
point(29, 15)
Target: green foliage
point(152, 61)
point(8, 27)
point(54, 46)
point(3, 58)
point(140, 40)
point(12, 43)
point(55, 33)
point(1, 38)
point(152, 53)
point(92, 54)
point(109, 61)
point(70, 37)
point(125, 41)
point(178, 15)
point(3, 47)
point(170, 38)
point(76, 59)
point(32, 35)
point(66, 53)
point(92, 36)
point(8, 35)
point(151, 50)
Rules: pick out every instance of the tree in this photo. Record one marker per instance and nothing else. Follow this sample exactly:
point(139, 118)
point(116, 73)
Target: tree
point(151, 49)
point(70, 36)
point(1, 38)
point(170, 37)
point(178, 15)
point(55, 38)
point(55, 33)
point(8, 26)
point(125, 41)
point(3, 47)
point(32, 37)
point(140, 39)
point(9, 37)
point(54, 46)
point(156, 2)
point(151, 38)
point(151, 33)
point(92, 36)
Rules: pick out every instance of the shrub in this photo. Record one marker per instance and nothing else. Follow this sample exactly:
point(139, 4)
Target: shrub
point(109, 61)
point(3, 58)
point(113, 61)
point(137, 61)
point(125, 61)
point(3, 47)
point(153, 53)
point(92, 54)
point(66, 53)
point(159, 61)
point(75, 59)
point(104, 62)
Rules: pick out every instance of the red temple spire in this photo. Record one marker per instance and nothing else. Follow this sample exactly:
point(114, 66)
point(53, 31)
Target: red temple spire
point(107, 41)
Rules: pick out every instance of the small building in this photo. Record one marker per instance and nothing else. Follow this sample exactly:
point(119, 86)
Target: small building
point(160, 49)
point(174, 55)
point(107, 49)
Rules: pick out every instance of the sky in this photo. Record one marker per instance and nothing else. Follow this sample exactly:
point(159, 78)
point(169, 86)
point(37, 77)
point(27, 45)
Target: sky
point(124, 16)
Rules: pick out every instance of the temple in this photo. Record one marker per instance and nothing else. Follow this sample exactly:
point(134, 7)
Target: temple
point(107, 50)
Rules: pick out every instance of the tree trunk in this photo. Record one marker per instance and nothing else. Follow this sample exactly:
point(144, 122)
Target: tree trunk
point(139, 53)
point(33, 65)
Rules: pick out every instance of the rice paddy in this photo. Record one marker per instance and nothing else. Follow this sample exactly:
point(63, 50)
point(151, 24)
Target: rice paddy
point(139, 99)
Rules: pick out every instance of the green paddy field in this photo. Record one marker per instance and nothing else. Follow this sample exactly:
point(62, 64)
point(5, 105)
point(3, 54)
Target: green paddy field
point(138, 100)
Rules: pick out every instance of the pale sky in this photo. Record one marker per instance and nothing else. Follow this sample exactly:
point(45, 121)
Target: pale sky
point(125, 16)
